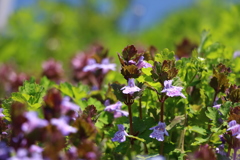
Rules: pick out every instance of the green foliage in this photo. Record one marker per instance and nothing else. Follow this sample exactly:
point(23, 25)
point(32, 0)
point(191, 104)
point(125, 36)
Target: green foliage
point(164, 55)
point(197, 129)
point(31, 93)
point(204, 76)
point(75, 92)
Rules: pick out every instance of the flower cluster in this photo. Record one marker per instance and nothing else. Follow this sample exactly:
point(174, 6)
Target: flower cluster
point(38, 138)
point(10, 80)
point(91, 66)
point(33, 122)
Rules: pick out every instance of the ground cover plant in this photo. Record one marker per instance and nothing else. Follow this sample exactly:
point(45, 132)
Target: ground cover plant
point(165, 105)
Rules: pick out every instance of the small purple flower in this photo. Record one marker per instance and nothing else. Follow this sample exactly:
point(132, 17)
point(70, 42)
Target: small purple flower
point(159, 131)
point(172, 91)
point(1, 114)
point(119, 113)
point(66, 105)
point(130, 88)
point(130, 62)
point(143, 64)
point(217, 106)
point(120, 135)
point(236, 54)
point(33, 122)
point(234, 128)
point(62, 125)
point(112, 107)
point(116, 109)
point(222, 138)
point(232, 123)
point(35, 148)
point(106, 66)
point(220, 150)
point(91, 66)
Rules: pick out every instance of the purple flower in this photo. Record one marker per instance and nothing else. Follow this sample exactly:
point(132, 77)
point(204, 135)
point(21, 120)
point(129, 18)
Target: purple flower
point(130, 88)
point(120, 135)
point(159, 131)
point(35, 148)
point(217, 106)
point(222, 138)
point(232, 123)
point(106, 66)
point(119, 113)
point(143, 64)
point(116, 109)
point(112, 107)
point(33, 122)
point(66, 106)
point(91, 66)
point(62, 125)
point(172, 91)
point(1, 114)
point(130, 62)
point(236, 54)
point(73, 152)
point(234, 128)
point(220, 150)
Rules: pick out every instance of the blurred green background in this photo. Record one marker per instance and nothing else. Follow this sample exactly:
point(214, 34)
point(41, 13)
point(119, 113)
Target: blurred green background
point(42, 29)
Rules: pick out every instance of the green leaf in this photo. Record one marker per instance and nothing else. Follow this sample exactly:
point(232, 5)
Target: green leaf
point(199, 141)
point(122, 147)
point(138, 125)
point(104, 118)
point(194, 83)
point(117, 91)
point(164, 55)
point(224, 109)
point(66, 89)
point(77, 93)
point(30, 93)
point(6, 105)
point(147, 71)
point(212, 113)
point(197, 129)
point(91, 101)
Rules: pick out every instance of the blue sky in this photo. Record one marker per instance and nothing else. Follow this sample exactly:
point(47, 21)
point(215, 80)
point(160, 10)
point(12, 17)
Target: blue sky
point(139, 15)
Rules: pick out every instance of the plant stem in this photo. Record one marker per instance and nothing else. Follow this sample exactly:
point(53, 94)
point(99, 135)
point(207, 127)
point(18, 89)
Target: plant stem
point(140, 107)
point(145, 149)
point(230, 144)
point(130, 120)
point(235, 154)
point(161, 148)
point(214, 97)
point(162, 108)
point(161, 100)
